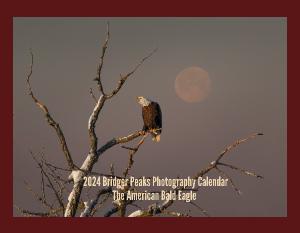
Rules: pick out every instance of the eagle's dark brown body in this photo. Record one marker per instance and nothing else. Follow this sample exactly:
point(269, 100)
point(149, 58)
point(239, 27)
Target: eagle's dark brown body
point(152, 119)
point(152, 116)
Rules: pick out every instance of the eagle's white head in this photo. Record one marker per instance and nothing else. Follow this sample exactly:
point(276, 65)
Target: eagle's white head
point(143, 101)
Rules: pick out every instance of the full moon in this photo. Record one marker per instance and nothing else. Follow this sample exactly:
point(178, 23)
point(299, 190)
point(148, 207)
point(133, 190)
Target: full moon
point(192, 84)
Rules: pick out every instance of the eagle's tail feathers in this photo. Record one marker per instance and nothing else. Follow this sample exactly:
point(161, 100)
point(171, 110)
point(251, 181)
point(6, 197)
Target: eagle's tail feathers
point(156, 138)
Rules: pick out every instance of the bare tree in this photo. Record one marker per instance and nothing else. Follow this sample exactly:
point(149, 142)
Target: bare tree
point(59, 179)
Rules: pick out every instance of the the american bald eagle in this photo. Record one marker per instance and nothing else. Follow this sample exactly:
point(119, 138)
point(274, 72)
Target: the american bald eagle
point(152, 117)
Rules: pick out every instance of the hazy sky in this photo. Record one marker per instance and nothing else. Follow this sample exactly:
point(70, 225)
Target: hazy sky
point(245, 59)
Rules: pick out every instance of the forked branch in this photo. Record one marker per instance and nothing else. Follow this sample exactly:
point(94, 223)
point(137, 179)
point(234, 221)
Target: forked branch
point(99, 69)
point(123, 78)
point(50, 119)
point(160, 209)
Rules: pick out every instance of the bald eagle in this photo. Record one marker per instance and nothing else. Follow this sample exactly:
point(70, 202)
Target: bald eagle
point(152, 117)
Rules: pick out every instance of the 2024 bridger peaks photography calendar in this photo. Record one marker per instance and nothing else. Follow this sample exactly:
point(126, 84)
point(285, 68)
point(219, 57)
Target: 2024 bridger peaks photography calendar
point(150, 117)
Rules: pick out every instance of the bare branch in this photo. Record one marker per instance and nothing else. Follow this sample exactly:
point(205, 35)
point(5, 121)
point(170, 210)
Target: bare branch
point(249, 173)
point(99, 69)
point(37, 196)
point(216, 162)
point(51, 167)
point(158, 209)
point(138, 213)
point(203, 211)
point(124, 78)
point(43, 186)
point(111, 211)
point(175, 214)
point(223, 174)
point(31, 213)
point(50, 119)
point(112, 169)
point(52, 212)
point(132, 152)
point(56, 193)
point(90, 206)
point(120, 140)
point(235, 144)
point(100, 204)
point(92, 124)
point(58, 180)
point(116, 209)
